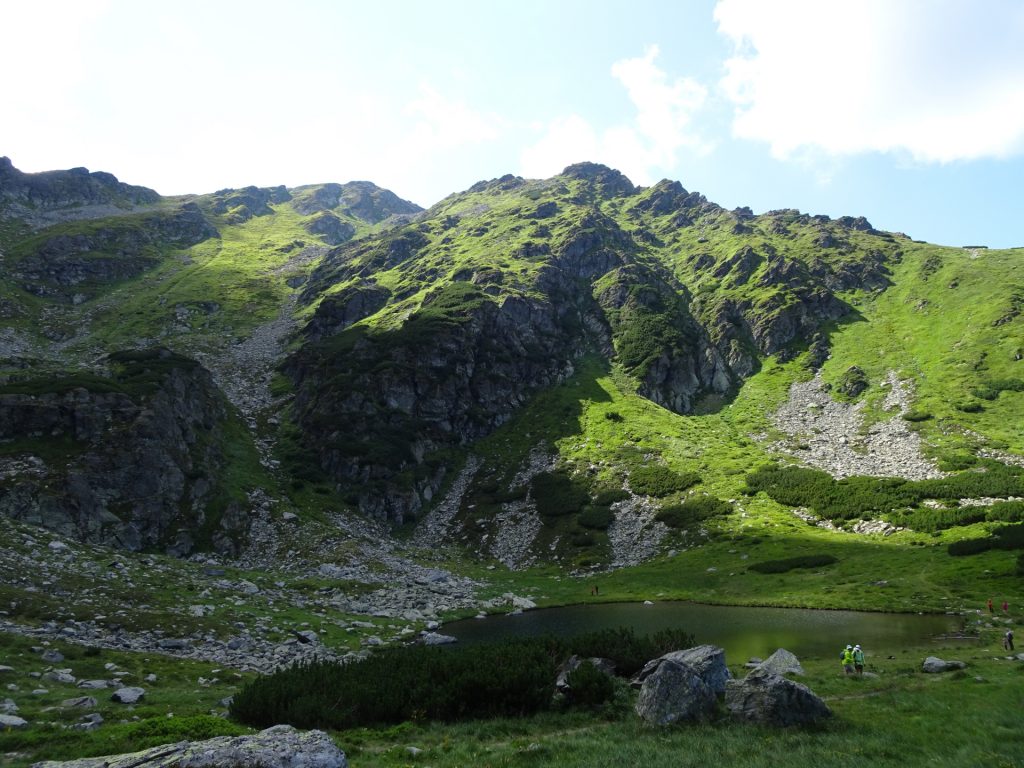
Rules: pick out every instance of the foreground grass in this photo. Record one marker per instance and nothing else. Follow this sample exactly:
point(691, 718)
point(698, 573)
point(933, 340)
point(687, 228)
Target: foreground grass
point(900, 717)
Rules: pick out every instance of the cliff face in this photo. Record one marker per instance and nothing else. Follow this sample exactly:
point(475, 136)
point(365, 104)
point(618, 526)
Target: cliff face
point(132, 460)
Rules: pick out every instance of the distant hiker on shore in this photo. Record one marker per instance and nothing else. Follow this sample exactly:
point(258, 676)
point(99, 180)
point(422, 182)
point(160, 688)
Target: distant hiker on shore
point(858, 659)
point(846, 658)
point(990, 610)
point(1008, 640)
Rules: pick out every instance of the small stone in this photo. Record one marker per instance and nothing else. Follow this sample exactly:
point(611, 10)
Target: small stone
point(80, 702)
point(92, 684)
point(57, 546)
point(129, 695)
point(52, 657)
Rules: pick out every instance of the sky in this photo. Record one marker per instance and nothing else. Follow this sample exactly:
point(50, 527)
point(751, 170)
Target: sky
point(908, 112)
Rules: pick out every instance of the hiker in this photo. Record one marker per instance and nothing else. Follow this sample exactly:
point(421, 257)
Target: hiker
point(846, 658)
point(1008, 640)
point(858, 660)
point(1006, 607)
point(990, 606)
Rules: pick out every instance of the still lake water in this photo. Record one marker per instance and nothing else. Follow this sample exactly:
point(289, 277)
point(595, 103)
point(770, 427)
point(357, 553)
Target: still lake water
point(743, 632)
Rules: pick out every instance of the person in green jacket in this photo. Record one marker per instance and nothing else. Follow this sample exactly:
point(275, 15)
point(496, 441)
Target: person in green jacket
point(846, 657)
point(858, 660)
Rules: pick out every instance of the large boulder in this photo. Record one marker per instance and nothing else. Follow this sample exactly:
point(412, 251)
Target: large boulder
point(774, 700)
point(708, 661)
point(781, 663)
point(279, 747)
point(128, 695)
point(935, 664)
point(675, 692)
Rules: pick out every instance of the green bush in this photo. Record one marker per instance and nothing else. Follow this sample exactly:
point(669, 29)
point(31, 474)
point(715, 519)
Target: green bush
point(793, 563)
point(596, 517)
point(557, 494)
point(605, 497)
point(505, 679)
point(915, 416)
point(1020, 564)
point(513, 678)
point(656, 480)
point(693, 511)
point(1003, 537)
point(589, 687)
point(856, 496)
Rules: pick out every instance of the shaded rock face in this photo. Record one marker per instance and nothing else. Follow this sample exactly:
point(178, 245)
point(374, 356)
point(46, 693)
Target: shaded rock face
point(333, 230)
point(675, 692)
point(116, 249)
point(378, 402)
point(279, 747)
point(59, 189)
point(140, 465)
point(340, 310)
point(767, 698)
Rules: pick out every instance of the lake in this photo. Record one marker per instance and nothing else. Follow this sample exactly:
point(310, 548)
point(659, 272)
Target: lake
point(742, 631)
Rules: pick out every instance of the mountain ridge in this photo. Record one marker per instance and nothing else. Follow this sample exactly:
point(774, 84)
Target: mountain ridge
point(410, 339)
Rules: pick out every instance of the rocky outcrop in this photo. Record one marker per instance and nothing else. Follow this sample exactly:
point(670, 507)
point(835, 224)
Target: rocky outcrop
point(240, 205)
point(63, 189)
point(782, 662)
point(141, 456)
point(361, 199)
point(378, 403)
point(73, 257)
point(331, 229)
point(348, 306)
point(279, 747)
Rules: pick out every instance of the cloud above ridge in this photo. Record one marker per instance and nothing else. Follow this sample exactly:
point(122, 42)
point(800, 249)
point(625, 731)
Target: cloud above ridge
point(938, 80)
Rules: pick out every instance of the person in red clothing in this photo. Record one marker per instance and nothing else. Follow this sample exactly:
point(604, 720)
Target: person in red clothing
point(990, 605)
point(1006, 607)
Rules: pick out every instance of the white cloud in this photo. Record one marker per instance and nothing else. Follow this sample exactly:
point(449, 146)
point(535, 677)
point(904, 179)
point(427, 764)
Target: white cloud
point(445, 123)
point(644, 148)
point(941, 80)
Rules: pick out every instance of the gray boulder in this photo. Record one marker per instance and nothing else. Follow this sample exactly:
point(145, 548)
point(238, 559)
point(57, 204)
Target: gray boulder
point(92, 685)
point(675, 692)
point(708, 661)
point(435, 638)
point(782, 662)
point(12, 722)
point(935, 664)
point(129, 695)
point(279, 747)
point(774, 700)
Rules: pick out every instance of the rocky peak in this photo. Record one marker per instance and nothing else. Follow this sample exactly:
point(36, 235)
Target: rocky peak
point(604, 180)
point(73, 187)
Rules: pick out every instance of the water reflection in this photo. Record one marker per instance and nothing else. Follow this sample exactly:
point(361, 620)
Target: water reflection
point(743, 632)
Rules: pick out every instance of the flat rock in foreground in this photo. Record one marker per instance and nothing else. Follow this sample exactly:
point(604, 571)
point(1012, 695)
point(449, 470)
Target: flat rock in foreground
point(279, 747)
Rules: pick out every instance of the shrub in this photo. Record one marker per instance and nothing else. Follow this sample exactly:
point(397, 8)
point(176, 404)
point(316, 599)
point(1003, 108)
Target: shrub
point(915, 416)
point(596, 517)
point(969, 547)
point(582, 539)
point(556, 494)
point(693, 511)
point(500, 679)
point(589, 687)
point(793, 563)
point(608, 496)
point(614, 416)
point(1020, 564)
point(505, 679)
point(656, 480)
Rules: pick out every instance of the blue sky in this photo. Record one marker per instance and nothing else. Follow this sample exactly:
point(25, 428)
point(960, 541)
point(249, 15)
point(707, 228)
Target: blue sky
point(909, 112)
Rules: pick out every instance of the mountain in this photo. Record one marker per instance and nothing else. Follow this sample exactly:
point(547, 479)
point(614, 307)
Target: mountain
point(573, 370)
